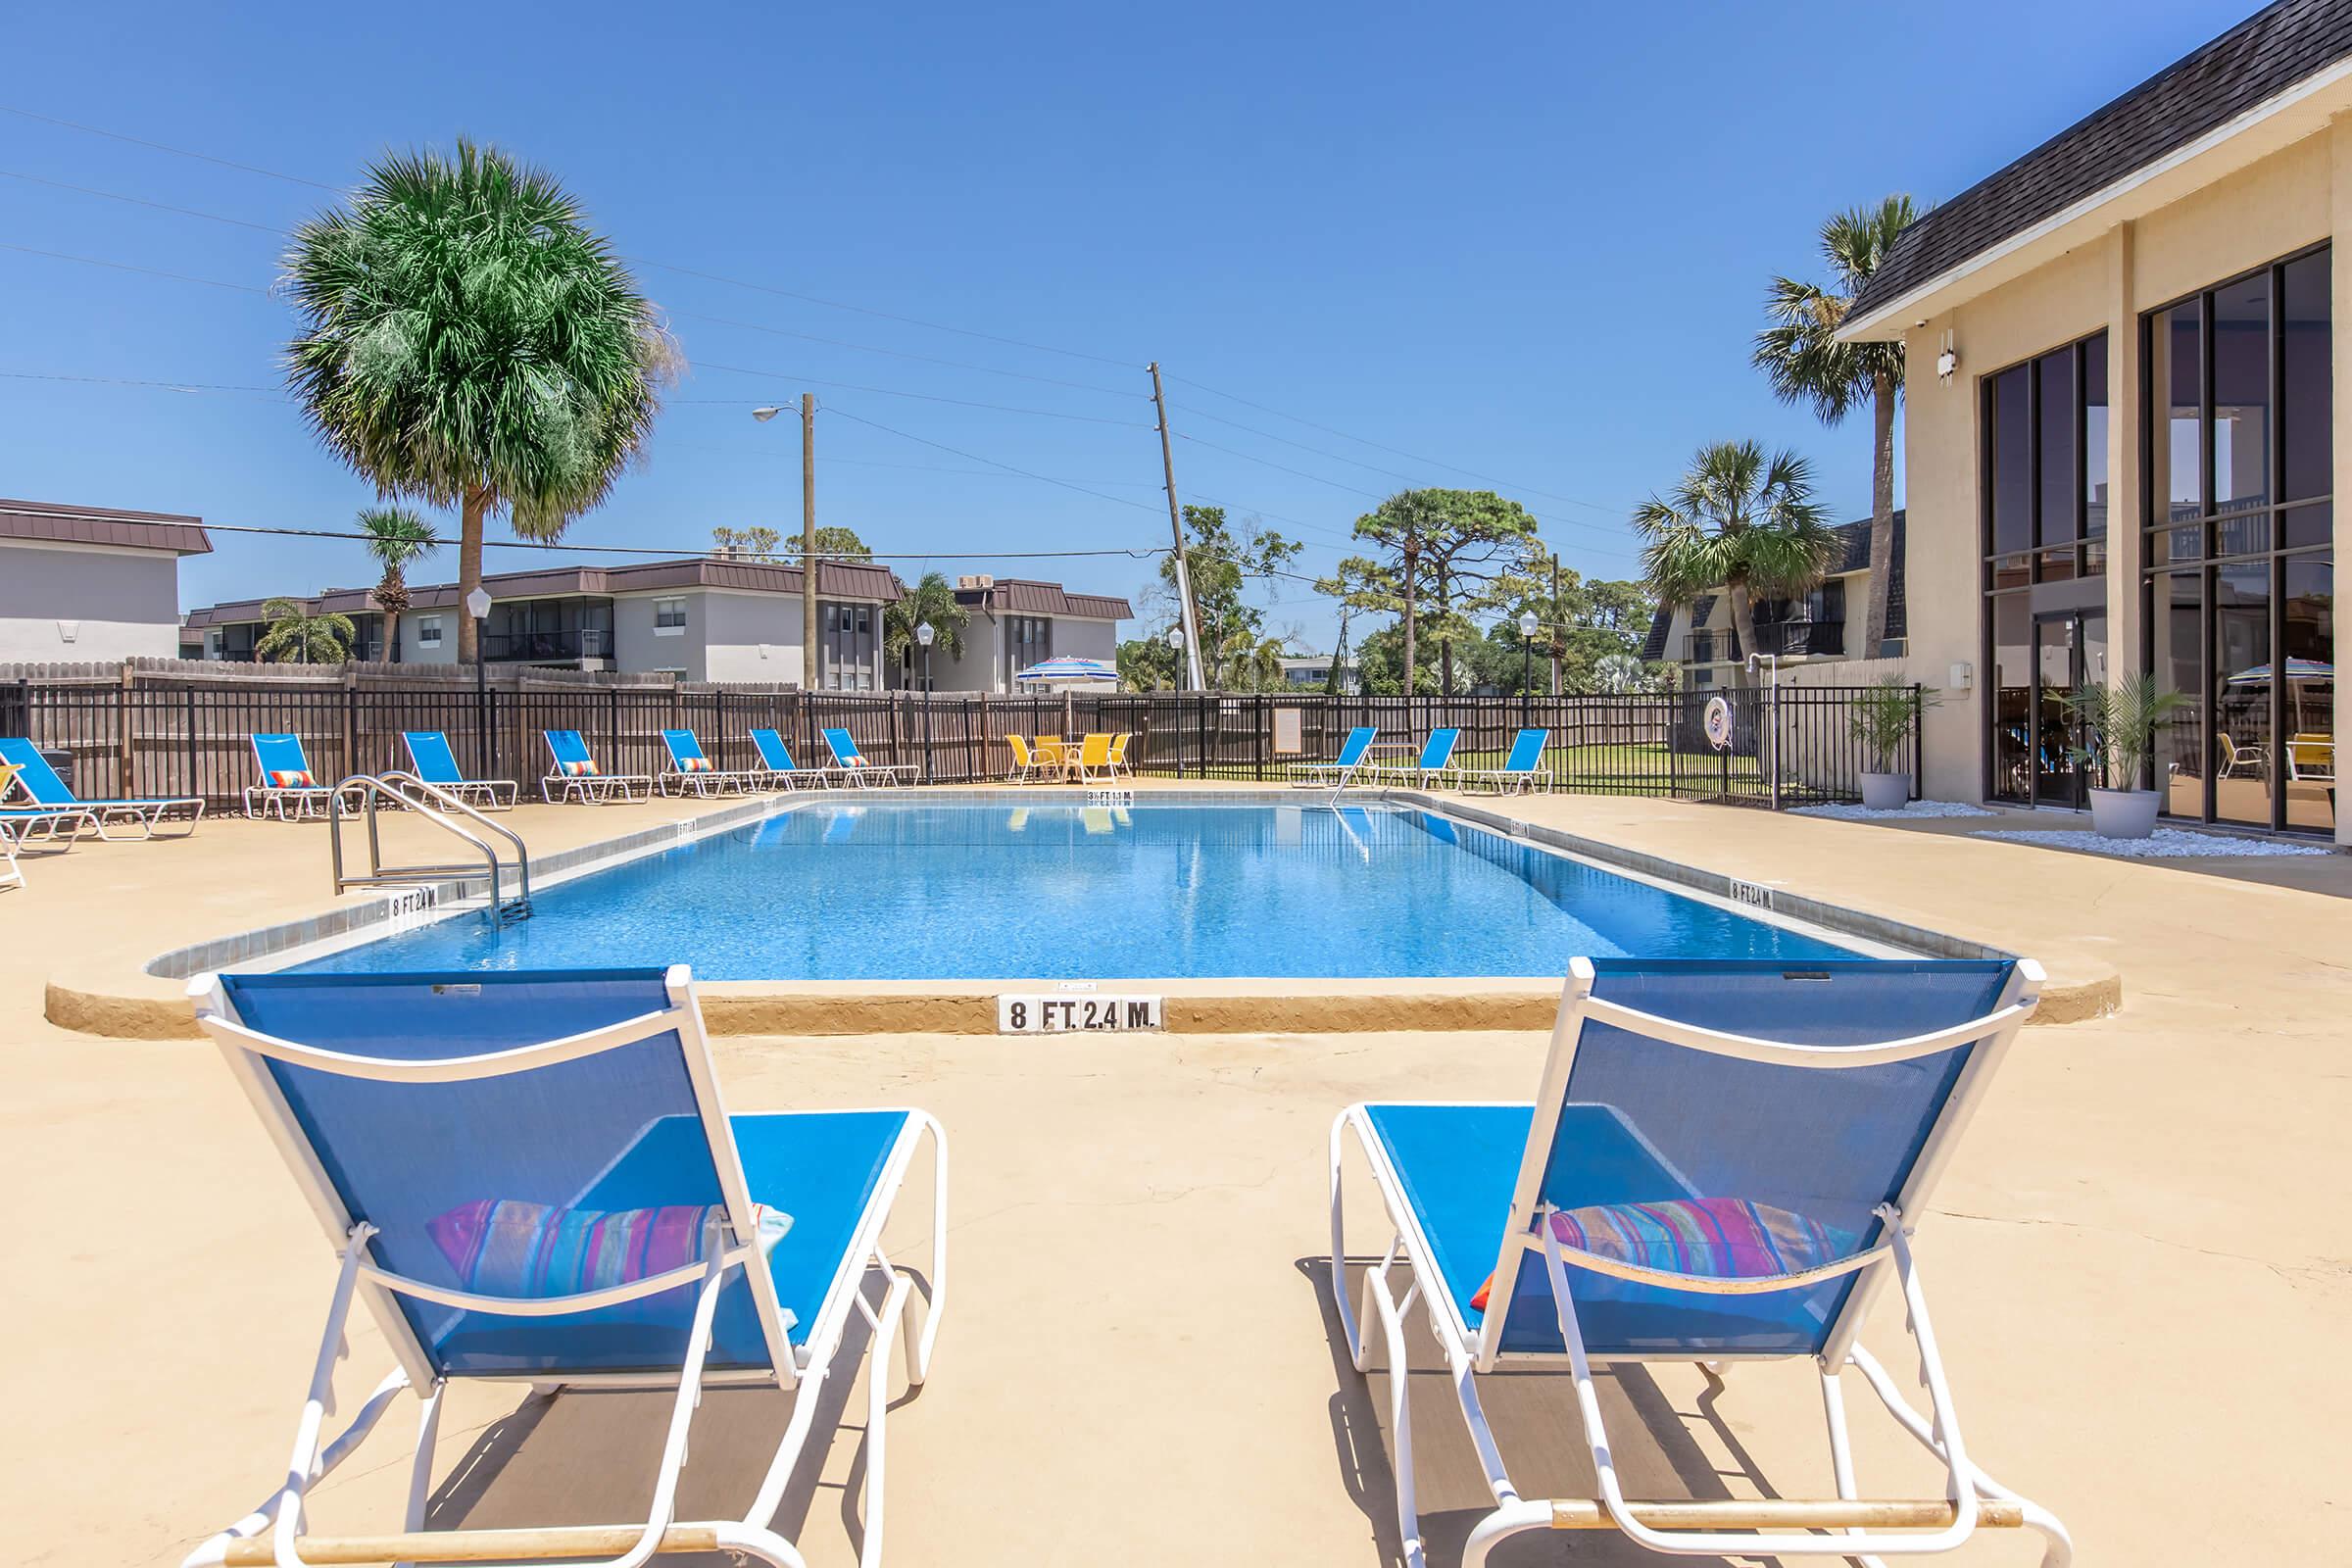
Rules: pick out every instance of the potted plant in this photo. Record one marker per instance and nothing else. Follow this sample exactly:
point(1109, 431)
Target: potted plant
point(2118, 724)
point(1879, 716)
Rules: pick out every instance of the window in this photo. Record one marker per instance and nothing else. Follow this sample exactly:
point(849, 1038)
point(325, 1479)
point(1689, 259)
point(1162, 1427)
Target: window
point(1028, 640)
point(2045, 561)
point(550, 631)
point(428, 631)
point(669, 617)
point(851, 654)
point(2239, 587)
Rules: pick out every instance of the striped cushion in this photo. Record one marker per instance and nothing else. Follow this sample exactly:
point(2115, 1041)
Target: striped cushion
point(694, 765)
point(579, 769)
point(291, 778)
point(1708, 1238)
point(497, 1247)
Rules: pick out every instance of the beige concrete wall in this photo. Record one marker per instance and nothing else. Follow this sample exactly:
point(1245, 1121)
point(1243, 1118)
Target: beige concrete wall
point(2268, 208)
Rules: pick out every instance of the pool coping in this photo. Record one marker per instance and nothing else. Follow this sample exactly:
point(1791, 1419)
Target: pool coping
point(154, 1004)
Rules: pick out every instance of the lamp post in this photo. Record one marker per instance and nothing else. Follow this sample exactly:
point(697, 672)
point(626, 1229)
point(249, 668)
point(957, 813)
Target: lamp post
point(1176, 643)
point(923, 635)
point(1527, 661)
point(477, 605)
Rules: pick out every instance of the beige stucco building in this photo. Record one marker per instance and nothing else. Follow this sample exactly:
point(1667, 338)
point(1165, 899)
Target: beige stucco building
point(2121, 437)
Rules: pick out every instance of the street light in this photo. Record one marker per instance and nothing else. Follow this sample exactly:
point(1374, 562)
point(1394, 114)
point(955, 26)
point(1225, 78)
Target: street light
point(923, 635)
point(1176, 643)
point(808, 634)
point(477, 605)
point(1527, 660)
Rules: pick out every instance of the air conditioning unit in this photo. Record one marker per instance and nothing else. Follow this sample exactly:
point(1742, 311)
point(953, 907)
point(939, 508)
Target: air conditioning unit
point(979, 579)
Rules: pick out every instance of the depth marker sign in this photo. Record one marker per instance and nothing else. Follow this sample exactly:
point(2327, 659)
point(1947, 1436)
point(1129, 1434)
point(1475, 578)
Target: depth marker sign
point(1078, 1014)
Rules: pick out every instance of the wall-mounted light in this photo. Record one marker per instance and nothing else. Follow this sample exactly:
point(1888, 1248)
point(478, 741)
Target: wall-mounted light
point(1948, 360)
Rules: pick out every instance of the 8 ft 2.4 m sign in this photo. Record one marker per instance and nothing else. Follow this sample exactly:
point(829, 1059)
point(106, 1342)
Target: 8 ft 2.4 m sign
point(1077, 1014)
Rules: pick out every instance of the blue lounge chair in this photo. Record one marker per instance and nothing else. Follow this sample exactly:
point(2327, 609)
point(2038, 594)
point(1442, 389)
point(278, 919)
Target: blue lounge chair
point(1429, 769)
point(775, 762)
point(288, 789)
point(1522, 770)
point(1724, 1163)
point(1335, 774)
point(437, 765)
point(22, 824)
point(855, 771)
point(530, 1177)
point(41, 785)
point(692, 770)
point(573, 774)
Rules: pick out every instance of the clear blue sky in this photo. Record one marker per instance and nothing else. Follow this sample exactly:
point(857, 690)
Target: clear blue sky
point(1529, 240)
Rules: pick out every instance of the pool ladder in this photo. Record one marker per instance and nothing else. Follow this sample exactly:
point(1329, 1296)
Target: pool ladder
point(436, 805)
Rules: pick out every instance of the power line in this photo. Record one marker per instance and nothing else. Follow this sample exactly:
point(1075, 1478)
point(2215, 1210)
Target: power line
point(1282, 468)
point(1452, 467)
point(119, 380)
point(974, 457)
point(902, 354)
point(137, 201)
point(893, 392)
point(126, 267)
point(1288, 442)
point(161, 147)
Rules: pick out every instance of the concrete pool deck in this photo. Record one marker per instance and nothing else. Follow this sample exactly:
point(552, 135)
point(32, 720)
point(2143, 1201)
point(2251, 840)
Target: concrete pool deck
point(2141, 1261)
point(123, 978)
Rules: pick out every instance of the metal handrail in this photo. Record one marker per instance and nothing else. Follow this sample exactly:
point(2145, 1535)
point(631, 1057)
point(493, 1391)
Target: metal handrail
point(427, 801)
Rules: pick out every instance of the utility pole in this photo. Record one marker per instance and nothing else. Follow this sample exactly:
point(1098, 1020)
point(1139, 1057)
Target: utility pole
point(809, 632)
point(1184, 577)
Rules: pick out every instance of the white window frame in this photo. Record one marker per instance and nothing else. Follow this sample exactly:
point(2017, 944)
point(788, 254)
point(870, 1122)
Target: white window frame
point(663, 608)
point(428, 631)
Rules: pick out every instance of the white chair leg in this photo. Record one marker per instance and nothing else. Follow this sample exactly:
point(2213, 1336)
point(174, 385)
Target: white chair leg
point(1400, 1419)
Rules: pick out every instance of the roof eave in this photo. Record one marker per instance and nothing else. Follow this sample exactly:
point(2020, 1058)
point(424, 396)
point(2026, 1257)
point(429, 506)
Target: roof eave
point(2269, 127)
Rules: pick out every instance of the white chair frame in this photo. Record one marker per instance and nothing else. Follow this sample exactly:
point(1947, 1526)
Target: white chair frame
point(270, 1535)
point(1870, 1528)
point(484, 793)
point(708, 781)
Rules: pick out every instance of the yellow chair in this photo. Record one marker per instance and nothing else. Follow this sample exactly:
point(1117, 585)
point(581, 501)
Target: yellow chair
point(2308, 757)
point(1026, 764)
point(1092, 760)
point(1052, 756)
point(1117, 767)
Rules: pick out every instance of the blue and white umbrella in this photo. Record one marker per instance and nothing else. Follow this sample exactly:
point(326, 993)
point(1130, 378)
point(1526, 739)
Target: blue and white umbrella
point(1054, 671)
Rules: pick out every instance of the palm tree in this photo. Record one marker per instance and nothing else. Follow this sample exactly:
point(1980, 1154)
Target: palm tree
point(295, 636)
point(1739, 521)
point(930, 600)
point(396, 537)
point(466, 340)
point(1806, 363)
point(1251, 662)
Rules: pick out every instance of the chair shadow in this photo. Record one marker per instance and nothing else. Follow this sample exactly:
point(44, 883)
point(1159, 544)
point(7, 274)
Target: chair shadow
point(588, 1455)
point(1533, 1417)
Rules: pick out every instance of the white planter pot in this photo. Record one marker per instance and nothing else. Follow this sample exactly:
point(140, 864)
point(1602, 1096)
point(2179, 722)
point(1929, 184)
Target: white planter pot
point(1886, 792)
point(2122, 813)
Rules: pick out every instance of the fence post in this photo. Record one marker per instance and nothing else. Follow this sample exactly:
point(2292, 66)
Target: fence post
point(124, 784)
point(351, 748)
point(613, 724)
point(1258, 729)
point(1919, 785)
point(189, 710)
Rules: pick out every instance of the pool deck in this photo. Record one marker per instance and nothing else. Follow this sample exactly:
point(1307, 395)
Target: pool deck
point(2141, 1263)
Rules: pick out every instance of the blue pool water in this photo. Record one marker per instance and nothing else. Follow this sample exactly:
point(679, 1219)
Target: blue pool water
point(841, 890)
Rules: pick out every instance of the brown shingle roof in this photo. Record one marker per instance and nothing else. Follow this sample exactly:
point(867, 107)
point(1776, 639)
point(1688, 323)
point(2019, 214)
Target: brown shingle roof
point(55, 523)
point(835, 579)
point(2256, 59)
point(1028, 596)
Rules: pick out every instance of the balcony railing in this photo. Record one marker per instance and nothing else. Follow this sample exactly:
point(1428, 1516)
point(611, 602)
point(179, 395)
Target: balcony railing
point(1790, 638)
point(1711, 648)
point(544, 647)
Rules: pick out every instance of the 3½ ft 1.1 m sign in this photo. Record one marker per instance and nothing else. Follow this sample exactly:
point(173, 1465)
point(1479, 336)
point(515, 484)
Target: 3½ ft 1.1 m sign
point(1068, 1014)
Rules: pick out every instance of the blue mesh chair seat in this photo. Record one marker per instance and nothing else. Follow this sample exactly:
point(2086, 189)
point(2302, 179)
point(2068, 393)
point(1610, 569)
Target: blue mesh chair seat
point(1432, 766)
point(1521, 770)
point(531, 1176)
point(430, 755)
point(46, 791)
point(1723, 1164)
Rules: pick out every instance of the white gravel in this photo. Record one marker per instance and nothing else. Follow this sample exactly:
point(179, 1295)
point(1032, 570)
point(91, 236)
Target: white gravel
point(2165, 843)
point(1912, 813)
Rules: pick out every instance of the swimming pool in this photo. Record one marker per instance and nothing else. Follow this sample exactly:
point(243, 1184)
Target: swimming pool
point(843, 888)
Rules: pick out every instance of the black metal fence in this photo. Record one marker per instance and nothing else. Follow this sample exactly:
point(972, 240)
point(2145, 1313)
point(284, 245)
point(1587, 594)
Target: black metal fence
point(181, 729)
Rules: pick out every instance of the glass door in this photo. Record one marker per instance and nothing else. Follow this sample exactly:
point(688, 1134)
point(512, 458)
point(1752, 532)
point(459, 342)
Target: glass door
point(2070, 653)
